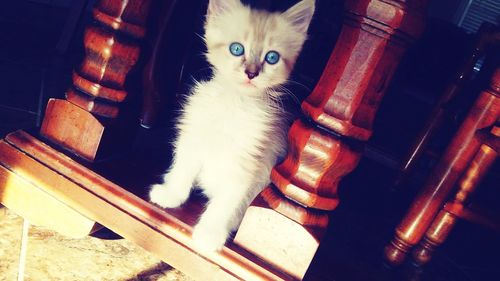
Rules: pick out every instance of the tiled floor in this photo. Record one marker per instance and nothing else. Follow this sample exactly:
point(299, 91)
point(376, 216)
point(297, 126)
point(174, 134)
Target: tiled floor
point(359, 228)
point(51, 256)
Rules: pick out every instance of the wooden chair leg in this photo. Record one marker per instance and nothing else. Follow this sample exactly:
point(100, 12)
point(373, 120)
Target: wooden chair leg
point(445, 221)
point(464, 146)
point(82, 123)
point(487, 36)
point(285, 223)
point(87, 121)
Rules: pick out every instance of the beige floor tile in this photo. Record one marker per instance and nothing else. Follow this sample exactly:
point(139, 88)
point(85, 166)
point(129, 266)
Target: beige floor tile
point(52, 256)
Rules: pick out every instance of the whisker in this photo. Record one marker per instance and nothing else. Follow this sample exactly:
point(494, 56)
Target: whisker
point(273, 98)
point(299, 84)
point(200, 36)
point(289, 93)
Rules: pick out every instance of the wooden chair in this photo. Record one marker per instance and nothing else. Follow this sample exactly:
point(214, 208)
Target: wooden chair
point(486, 42)
point(467, 159)
point(60, 177)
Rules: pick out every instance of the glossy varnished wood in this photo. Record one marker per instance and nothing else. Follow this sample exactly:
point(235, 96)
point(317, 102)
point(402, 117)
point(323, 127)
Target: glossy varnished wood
point(164, 233)
point(108, 59)
point(374, 36)
point(316, 163)
point(325, 145)
point(25, 199)
point(129, 17)
point(445, 220)
point(112, 49)
point(462, 149)
point(289, 233)
point(474, 214)
point(487, 38)
point(99, 108)
point(73, 128)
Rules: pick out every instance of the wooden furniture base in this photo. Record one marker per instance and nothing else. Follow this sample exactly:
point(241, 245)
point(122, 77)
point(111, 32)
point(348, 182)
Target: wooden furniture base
point(446, 219)
point(24, 198)
point(41, 175)
point(468, 157)
point(277, 231)
point(72, 127)
point(487, 38)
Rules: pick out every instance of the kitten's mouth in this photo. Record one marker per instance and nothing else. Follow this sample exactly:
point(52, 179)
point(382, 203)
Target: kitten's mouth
point(249, 83)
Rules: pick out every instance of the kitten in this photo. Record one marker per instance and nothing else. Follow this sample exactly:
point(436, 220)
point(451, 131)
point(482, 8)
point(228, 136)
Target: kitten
point(232, 129)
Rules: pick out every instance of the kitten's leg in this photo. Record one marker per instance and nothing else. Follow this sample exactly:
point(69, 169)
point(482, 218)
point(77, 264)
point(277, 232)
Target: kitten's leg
point(222, 215)
point(178, 181)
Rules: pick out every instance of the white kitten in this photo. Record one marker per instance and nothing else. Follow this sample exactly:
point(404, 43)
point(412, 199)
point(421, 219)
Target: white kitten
point(232, 130)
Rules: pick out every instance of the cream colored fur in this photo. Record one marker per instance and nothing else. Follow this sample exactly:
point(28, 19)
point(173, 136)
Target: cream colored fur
point(232, 129)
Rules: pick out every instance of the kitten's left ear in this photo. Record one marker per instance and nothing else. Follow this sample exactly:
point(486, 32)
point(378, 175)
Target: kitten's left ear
point(218, 7)
point(300, 14)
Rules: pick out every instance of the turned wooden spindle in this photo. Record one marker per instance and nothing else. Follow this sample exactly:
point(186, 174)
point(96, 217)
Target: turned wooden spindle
point(445, 220)
point(487, 37)
point(464, 146)
point(285, 222)
point(81, 122)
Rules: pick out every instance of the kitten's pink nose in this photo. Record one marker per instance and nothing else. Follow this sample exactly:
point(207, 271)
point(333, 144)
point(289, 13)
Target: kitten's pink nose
point(251, 74)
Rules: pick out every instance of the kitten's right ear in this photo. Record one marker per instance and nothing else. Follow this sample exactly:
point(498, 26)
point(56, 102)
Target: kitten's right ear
point(218, 7)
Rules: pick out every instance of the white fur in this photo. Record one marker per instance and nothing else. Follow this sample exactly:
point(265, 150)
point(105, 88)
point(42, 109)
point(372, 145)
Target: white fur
point(232, 130)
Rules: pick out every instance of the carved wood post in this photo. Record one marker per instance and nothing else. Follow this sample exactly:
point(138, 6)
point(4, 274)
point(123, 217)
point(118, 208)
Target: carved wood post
point(445, 220)
point(82, 122)
point(464, 146)
point(285, 222)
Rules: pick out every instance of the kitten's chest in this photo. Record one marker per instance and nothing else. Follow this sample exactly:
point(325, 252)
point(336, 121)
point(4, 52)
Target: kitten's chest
point(229, 122)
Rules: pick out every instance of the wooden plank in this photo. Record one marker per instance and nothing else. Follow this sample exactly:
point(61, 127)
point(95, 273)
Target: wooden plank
point(28, 201)
point(133, 218)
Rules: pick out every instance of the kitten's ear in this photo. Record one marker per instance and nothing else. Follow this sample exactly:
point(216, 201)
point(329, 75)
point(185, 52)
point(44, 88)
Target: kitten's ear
point(218, 7)
point(300, 14)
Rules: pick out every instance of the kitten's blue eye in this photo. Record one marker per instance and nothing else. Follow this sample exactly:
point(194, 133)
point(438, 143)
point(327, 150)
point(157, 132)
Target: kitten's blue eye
point(272, 57)
point(236, 49)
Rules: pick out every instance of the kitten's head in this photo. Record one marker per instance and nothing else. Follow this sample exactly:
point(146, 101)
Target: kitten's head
point(252, 48)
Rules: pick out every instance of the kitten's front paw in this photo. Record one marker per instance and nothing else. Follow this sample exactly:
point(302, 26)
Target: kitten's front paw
point(209, 238)
point(166, 197)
